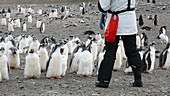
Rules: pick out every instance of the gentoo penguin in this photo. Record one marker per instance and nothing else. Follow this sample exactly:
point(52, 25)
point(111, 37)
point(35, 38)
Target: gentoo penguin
point(17, 23)
point(100, 45)
point(98, 36)
point(2, 42)
point(148, 60)
point(118, 61)
point(100, 58)
point(40, 12)
point(34, 45)
point(43, 56)
point(32, 65)
point(85, 67)
point(162, 35)
point(164, 61)
point(9, 44)
point(13, 58)
point(144, 40)
point(42, 27)
point(66, 13)
point(30, 18)
point(138, 41)
point(64, 54)
point(24, 27)
point(10, 26)
point(54, 64)
point(3, 21)
point(74, 60)
point(38, 24)
point(22, 44)
point(4, 65)
point(155, 21)
point(141, 20)
point(93, 49)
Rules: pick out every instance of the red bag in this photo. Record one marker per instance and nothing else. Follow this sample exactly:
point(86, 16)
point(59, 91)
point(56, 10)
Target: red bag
point(110, 34)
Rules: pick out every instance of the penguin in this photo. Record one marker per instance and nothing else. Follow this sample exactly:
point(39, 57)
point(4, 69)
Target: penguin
point(32, 65)
point(24, 27)
point(34, 45)
point(11, 43)
point(148, 60)
point(54, 64)
point(3, 21)
point(13, 58)
point(155, 21)
point(100, 45)
point(23, 43)
point(100, 58)
point(153, 1)
point(43, 56)
point(64, 55)
point(29, 18)
point(118, 61)
point(141, 20)
point(2, 42)
point(164, 61)
point(42, 27)
point(4, 70)
point(144, 40)
point(74, 60)
point(40, 12)
point(162, 35)
point(85, 67)
point(10, 26)
point(38, 24)
point(17, 23)
point(94, 51)
point(138, 41)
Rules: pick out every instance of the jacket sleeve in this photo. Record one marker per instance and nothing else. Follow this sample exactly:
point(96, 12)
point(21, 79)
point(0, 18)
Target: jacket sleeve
point(105, 4)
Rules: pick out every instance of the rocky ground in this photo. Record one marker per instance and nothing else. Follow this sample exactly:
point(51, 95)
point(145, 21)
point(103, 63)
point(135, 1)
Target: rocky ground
point(156, 84)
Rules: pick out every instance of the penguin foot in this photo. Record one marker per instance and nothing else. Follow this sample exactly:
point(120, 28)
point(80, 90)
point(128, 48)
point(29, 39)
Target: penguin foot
point(73, 72)
point(115, 70)
point(166, 68)
point(81, 75)
point(43, 70)
point(12, 67)
point(58, 77)
point(51, 78)
point(5, 80)
point(88, 75)
point(149, 72)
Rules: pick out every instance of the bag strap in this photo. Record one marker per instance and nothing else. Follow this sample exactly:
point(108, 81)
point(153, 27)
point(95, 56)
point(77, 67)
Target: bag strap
point(129, 3)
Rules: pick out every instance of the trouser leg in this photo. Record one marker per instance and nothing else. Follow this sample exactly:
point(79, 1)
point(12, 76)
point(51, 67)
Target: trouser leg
point(106, 67)
point(132, 55)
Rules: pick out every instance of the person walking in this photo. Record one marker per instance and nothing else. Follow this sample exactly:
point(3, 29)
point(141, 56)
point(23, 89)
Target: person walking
point(124, 10)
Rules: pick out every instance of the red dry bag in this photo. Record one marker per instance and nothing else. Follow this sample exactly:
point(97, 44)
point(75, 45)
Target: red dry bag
point(110, 34)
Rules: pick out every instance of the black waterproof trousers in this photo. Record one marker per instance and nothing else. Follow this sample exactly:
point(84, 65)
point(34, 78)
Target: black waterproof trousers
point(134, 60)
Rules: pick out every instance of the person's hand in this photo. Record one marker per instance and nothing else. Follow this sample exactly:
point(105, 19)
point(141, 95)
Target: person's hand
point(102, 21)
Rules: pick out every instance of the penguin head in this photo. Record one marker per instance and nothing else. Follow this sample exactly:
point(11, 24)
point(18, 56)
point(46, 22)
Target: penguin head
point(34, 39)
point(13, 50)
point(31, 51)
point(2, 50)
point(2, 39)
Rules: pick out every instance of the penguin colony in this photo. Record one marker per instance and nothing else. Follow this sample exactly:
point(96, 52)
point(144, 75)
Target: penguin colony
point(68, 55)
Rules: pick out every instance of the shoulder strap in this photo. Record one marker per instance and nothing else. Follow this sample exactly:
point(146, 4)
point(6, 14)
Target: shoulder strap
point(129, 3)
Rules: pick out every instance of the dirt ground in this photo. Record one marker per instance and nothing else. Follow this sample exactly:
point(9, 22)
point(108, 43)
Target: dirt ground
point(156, 84)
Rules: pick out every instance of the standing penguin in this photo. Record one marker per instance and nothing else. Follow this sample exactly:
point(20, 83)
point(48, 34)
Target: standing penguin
point(54, 64)
point(155, 21)
point(3, 65)
point(74, 61)
point(30, 18)
point(43, 56)
point(3, 21)
point(38, 24)
point(13, 58)
point(144, 40)
point(141, 20)
point(64, 54)
point(42, 27)
point(34, 45)
point(164, 61)
point(85, 67)
point(23, 43)
point(149, 59)
point(162, 35)
point(32, 65)
point(24, 27)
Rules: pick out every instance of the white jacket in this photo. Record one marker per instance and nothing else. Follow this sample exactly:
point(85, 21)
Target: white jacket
point(127, 20)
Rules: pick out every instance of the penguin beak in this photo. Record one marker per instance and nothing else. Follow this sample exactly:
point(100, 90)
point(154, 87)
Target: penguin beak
point(158, 37)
